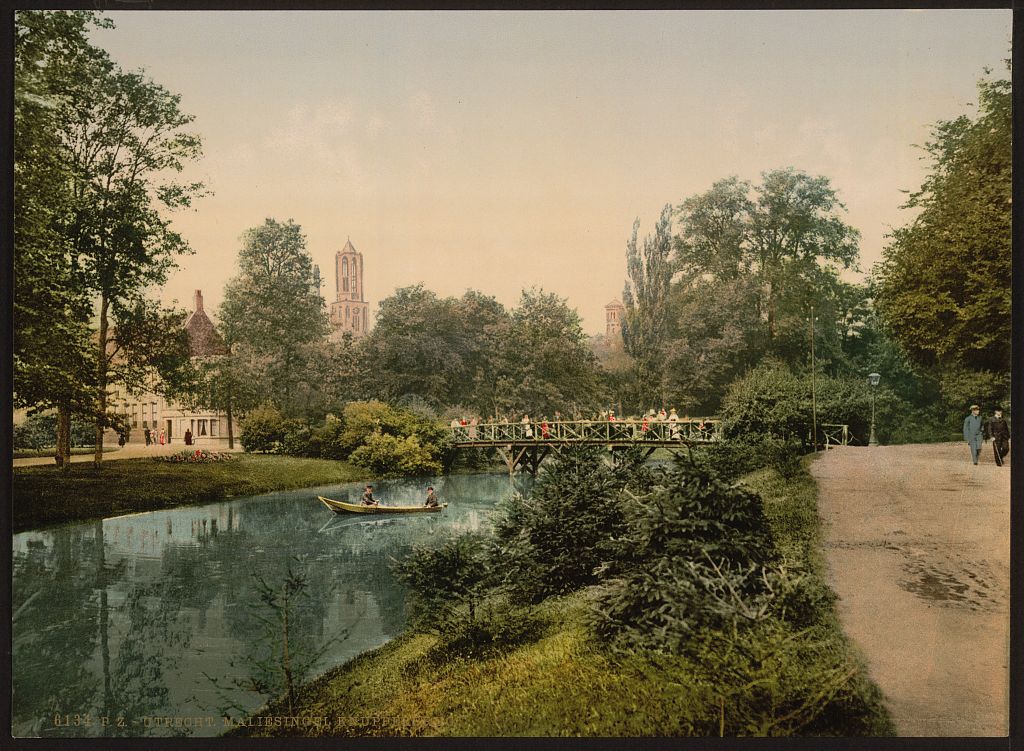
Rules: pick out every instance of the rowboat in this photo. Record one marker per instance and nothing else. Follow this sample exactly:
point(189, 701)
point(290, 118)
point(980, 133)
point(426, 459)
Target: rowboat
point(341, 507)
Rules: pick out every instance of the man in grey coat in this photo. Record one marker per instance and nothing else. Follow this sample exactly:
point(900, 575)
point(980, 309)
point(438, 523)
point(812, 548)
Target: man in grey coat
point(973, 431)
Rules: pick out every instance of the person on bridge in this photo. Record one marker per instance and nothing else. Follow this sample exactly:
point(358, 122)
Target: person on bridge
point(544, 432)
point(673, 424)
point(997, 429)
point(527, 427)
point(973, 431)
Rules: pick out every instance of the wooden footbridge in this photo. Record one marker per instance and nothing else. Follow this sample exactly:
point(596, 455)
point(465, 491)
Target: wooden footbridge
point(526, 445)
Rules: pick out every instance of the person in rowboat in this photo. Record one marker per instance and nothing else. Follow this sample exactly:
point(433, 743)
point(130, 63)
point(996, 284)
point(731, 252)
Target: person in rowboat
point(431, 498)
point(368, 499)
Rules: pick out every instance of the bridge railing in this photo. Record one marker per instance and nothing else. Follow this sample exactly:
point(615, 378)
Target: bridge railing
point(603, 431)
point(835, 435)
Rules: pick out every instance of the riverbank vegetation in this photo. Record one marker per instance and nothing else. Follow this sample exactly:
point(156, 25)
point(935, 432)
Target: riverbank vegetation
point(46, 495)
point(636, 601)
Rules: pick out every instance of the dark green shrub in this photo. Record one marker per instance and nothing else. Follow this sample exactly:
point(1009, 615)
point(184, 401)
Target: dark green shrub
point(297, 440)
point(693, 557)
point(263, 429)
point(552, 542)
point(498, 628)
point(773, 681)
point(325, 441)
point(448, 582)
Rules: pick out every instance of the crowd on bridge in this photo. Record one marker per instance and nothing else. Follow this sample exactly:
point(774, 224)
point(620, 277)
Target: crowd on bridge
point(659, 425)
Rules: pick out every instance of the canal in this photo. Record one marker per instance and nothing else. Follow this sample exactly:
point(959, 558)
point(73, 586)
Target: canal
point(153, 624)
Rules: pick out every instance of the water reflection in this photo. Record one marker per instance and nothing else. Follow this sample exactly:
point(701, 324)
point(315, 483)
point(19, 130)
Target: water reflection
point(121, 622)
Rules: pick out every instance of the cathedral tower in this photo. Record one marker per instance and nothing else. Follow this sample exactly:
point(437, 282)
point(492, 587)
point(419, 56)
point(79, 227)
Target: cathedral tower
point(349, 312)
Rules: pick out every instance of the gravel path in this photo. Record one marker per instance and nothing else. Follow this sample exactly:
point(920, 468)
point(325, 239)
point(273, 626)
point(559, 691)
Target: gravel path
point(917, 542)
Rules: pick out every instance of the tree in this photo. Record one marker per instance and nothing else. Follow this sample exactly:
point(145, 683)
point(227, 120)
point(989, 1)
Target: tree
point(645, 297)
point(944, 284)
point(795, 231)
point(54, 362)
point(550, 364)
point(273, 309)
point(122, 137)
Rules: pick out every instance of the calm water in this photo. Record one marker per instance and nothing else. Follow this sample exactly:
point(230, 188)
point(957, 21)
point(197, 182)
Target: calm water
point(122, 623)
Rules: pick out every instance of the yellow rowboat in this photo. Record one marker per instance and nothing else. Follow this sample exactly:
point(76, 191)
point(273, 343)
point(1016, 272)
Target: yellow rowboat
point(341, 507)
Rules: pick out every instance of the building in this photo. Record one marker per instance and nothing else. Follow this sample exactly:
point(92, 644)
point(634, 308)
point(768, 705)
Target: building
point(151, 410)
point(614, 312)
point(350, 313)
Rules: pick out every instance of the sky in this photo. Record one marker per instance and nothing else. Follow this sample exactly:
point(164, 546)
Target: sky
point(499, 150)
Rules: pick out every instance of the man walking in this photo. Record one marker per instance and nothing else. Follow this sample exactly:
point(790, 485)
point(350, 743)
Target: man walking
point(997, 429)
point(973, 431)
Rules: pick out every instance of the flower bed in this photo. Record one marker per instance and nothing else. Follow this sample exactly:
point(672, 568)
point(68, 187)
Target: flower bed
point(196, 456)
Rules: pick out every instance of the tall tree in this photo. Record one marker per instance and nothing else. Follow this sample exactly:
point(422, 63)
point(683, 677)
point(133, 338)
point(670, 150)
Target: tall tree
point(273, 308)
point(123, 137)
point(649, 279)
point(795, 230)
point(550, 364)
point(54, 361)
point(944, 283)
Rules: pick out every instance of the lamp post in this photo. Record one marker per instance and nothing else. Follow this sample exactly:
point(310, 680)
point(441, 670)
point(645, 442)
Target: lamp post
point(873, 379)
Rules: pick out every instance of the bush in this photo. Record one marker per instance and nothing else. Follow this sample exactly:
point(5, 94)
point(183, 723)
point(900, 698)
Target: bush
point(773, 681)
point(388, 455)
point(297, 440)
point(552, 542)
point(326, 440)
point(448, 582)
point(263, 429)
point(695, 556)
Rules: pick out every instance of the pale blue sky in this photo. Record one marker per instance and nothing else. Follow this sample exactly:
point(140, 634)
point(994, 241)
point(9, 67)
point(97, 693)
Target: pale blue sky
point(496, 150)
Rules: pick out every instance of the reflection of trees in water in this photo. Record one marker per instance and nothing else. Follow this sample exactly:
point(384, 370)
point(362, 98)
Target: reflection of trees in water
point(92, 636)
point(55, 633)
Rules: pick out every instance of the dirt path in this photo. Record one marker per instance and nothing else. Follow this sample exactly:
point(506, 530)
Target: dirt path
point(917, 541)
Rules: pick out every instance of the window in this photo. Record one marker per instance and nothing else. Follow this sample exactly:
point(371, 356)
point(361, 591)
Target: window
point(213, 427)
point(344, 283)
point(355, 320)
point(346, 312)
point(202, 427)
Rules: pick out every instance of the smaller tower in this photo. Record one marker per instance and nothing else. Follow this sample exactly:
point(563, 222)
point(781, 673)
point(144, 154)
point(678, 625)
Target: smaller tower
point(349, 312)
point(614, 312)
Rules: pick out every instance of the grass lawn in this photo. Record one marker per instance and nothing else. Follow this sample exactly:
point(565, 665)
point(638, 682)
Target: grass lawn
point(766, 682)
point(44, 495)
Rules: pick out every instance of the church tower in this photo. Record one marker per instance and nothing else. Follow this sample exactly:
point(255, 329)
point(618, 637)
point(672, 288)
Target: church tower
point(614, 312)
point(349, 312)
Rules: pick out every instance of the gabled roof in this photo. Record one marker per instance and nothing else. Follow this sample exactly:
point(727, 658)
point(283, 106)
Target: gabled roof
point(203, 337)
point(615, 304)
point(349, 247)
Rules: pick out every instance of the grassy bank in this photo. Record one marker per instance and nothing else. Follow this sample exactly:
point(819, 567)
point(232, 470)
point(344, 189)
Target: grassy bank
point(773, 679)
point(44, 495)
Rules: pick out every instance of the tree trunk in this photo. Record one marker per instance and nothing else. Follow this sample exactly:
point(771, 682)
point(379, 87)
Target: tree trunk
point(63, 455)
point(101, 383)
point(231, 427)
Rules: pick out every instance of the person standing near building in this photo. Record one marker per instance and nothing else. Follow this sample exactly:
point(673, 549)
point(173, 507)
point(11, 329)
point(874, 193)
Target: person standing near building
point(973, 431)
point(146, 434)
point(188, 436)
point(997, 429)
point(163, 438)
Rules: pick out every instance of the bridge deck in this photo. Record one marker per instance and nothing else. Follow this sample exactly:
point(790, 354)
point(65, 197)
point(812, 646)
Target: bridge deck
point(586, 432)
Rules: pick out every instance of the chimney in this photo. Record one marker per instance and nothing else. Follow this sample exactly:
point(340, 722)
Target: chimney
point(198, 304)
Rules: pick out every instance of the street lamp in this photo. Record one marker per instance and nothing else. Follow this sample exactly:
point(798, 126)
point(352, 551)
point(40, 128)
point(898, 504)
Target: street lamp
point(873, 379)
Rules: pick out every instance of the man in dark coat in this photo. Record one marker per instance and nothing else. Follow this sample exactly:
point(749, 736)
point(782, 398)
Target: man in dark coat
point(997, 429)
point(973, 431)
